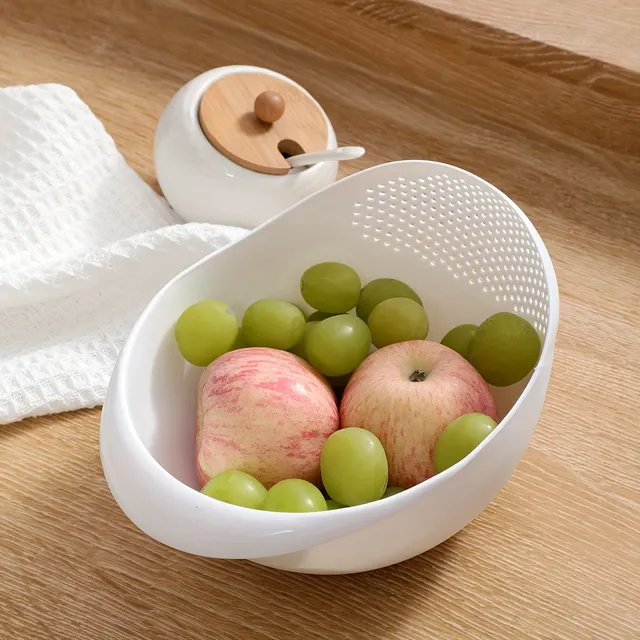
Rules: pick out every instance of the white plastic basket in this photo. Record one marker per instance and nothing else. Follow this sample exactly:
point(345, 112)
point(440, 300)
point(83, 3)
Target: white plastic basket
point(459, 242)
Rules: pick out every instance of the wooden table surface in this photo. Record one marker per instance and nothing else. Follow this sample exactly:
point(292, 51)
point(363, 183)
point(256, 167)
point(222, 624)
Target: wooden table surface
point(601, 30)
point(556, 556)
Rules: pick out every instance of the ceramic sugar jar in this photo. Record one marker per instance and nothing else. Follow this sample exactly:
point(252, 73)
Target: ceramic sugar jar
point(225, 144)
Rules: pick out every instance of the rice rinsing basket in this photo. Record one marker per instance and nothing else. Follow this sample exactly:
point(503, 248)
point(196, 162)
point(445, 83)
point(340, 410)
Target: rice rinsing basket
point(468, 251)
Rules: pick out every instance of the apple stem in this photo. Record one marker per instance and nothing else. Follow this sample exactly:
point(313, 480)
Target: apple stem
point(418, 376)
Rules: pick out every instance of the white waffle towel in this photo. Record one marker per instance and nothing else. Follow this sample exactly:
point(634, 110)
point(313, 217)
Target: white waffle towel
point(84, 246)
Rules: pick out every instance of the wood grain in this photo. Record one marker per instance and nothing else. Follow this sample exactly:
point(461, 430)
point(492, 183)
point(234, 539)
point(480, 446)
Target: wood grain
point(228, 119)
point(555, 557)
point(605, 30)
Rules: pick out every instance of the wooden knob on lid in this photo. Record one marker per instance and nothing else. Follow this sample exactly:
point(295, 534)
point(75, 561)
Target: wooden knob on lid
point(243, 116)
point(269, 106)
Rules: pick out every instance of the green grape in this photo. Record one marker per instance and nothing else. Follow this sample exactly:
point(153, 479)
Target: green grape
point(382, 289)
point(354, 466)
point(459, 338)
point(332, 504)
point(273, 323)
point(316, 316)
point(331, 287)
point(504, 349)
point(239, 343)
point(294, 496)
point(236, 487)
point(391, 491)
point(300, 348)
point(205, 331)
point(397, 320)
point(460, 438)
point(337, 345)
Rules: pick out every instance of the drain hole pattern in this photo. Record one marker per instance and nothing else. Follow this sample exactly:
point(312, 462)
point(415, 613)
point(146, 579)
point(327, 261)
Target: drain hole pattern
point(472, 231)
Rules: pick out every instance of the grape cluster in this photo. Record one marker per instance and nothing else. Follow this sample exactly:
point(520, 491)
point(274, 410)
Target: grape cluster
point(335, 341)
point(354, 471)
point(504, 348)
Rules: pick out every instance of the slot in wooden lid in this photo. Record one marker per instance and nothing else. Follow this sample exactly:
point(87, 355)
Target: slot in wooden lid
point(256, 119)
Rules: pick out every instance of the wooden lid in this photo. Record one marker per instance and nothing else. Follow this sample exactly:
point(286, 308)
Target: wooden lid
point(255, 118)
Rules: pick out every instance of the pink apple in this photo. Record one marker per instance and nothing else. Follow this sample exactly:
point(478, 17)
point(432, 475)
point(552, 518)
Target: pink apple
point(265, 412)
point(407, 393)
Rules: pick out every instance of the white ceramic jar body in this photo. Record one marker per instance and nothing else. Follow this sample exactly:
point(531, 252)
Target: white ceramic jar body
point(203, 185)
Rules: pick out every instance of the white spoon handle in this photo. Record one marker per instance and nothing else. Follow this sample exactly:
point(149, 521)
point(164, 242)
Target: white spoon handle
point(335, 155)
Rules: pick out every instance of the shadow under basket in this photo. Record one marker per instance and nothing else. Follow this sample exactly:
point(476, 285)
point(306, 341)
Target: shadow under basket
point(465, 248)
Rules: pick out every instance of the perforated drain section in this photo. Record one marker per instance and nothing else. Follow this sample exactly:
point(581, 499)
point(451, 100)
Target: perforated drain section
point(472, 231)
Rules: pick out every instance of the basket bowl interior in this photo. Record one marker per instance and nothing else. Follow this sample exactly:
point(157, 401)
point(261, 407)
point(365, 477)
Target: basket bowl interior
point(460, 243)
